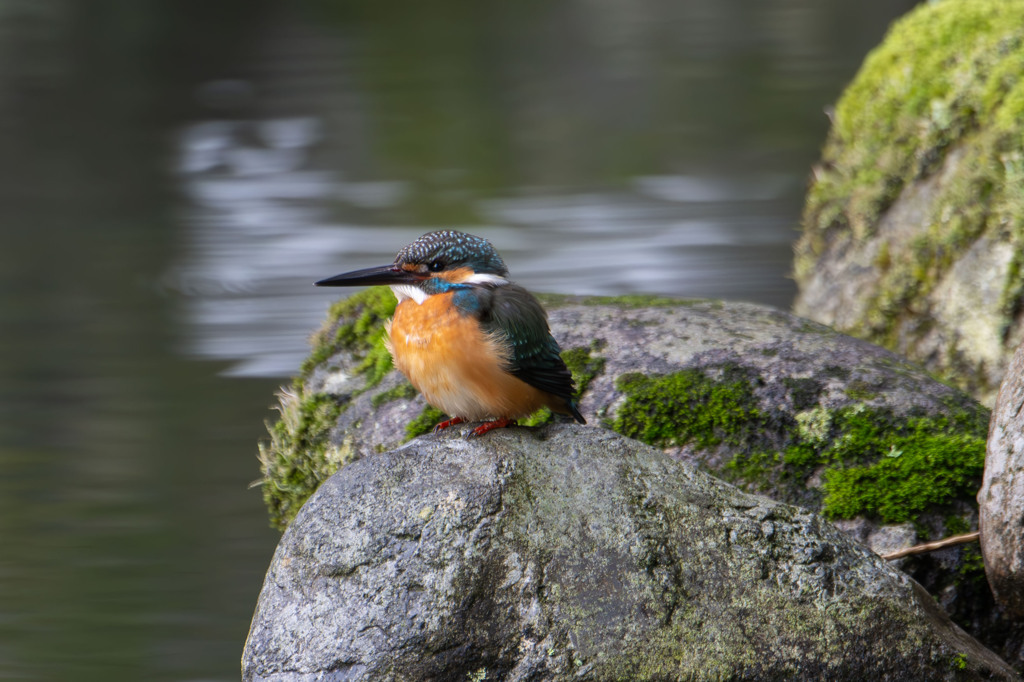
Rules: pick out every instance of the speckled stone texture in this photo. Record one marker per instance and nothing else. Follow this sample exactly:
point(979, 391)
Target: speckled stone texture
point(573, 553)
point(794, 367)
point(1001, 500)
point(771, 346)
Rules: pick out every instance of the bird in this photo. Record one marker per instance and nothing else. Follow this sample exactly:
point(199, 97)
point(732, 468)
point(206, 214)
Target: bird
point(475, 344)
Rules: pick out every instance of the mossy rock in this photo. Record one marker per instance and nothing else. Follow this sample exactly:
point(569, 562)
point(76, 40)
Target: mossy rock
point(705, 398)
point(569, 554)
point(772, 402)
point(307, 443)
point(913, 230)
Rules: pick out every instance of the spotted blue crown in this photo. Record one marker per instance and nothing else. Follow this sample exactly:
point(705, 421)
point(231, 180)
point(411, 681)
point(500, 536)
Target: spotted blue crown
point(451, 249)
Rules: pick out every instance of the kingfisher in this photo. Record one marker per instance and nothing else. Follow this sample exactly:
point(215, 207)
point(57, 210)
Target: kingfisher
point(474, 343)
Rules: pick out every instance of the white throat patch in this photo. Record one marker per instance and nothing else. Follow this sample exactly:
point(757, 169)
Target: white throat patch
point(405, 292)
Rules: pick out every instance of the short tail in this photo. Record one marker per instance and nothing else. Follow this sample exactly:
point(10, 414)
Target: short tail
point(575, 411)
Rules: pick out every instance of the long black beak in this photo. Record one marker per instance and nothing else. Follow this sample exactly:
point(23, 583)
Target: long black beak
point(382, 274)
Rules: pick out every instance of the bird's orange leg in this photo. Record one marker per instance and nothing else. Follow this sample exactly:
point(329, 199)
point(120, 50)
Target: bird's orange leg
point(450, 422)
point(487, 426)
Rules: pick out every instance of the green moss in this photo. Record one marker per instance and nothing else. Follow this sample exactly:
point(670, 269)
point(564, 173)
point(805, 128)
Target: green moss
point(538, 418)
point(942, 70)
point(299, 455)
point(424, 423)
point(552, 301)
point(860, 391)
point(403, 390)
point(880, 466)
point(925, 468)
point(688, 407)
point(377, 361)
point(1011, 300)
point(972, 565)
point(584, 365)
point(356, 325)
point(955, 525)
point(873, 463)
point(947, 77)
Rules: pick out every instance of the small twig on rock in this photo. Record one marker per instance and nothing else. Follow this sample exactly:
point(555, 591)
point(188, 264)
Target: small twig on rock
point(932, 546)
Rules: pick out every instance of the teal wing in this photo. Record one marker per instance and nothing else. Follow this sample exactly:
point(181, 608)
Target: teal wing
point(536, 357)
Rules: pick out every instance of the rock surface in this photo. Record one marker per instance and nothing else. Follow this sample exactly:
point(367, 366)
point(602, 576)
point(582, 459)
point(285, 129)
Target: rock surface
point(773, 402)
point(1001, 499)
point(912, 229)
point(573, 553)
point(736, 384)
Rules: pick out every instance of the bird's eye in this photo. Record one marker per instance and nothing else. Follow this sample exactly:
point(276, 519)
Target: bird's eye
point(436, 266)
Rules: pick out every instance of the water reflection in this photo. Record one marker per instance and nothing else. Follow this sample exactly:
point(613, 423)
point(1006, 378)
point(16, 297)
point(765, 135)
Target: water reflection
point(604, 149)
point(174, 174)
point(263, 225)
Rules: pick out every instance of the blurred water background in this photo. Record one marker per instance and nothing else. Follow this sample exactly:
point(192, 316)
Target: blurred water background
point(175, 173)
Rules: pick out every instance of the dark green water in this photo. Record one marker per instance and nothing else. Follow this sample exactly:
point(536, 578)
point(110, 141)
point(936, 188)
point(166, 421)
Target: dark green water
point(174, 174)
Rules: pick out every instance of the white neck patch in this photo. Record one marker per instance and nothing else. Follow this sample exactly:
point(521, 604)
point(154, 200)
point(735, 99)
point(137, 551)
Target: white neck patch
point(485, 278)
point(405, 292)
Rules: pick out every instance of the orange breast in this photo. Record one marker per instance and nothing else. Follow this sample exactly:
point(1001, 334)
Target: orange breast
point(455, 365)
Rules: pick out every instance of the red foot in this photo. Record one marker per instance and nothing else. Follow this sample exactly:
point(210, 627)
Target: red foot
point(451, 422)
point(487, 426)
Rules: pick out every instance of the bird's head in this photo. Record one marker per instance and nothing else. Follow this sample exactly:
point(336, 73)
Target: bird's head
point(434, 263)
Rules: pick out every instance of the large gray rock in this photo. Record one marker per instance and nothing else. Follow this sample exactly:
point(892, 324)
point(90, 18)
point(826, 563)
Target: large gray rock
point(911, 230)
point(573, 553)
point(783, 378)
point(960, 320)
point(1001, 499)
point(773, 402)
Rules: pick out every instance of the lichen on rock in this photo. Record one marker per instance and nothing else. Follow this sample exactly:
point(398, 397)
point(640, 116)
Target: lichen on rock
point(573, 553)
point(299, 455)
point(913, 231)
point(770, 401)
